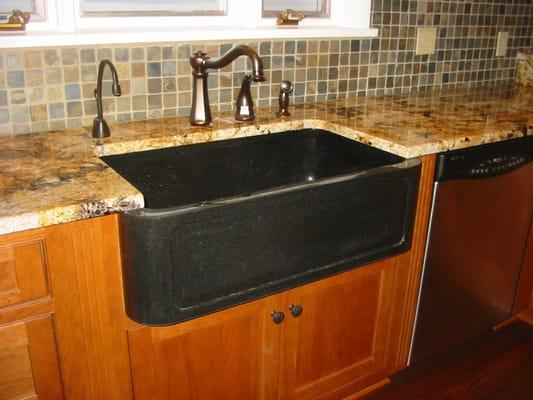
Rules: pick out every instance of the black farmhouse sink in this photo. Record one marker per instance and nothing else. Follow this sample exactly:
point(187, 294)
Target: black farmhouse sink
point(230, 221)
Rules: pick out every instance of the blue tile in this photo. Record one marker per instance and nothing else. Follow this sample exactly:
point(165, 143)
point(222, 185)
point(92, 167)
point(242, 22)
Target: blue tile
point(122, 54)
point(15, 79)
point(277, 62)
point(289, 61)
point(224, 48)
point(289, 47)
point(265, 48)
point(4, 115)
point(72, 92)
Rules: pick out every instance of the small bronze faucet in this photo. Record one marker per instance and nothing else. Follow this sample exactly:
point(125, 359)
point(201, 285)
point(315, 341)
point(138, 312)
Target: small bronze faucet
point(100, 128)
point(285, 88)
point(200, 110)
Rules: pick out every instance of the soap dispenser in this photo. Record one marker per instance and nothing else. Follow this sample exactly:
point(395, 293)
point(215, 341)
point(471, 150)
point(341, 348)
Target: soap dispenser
point(244, 110)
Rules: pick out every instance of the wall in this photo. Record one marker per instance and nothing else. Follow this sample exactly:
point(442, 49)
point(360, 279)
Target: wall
point(52, 88)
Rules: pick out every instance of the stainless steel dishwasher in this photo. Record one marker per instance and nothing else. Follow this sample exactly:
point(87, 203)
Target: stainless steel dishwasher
point(480, 220)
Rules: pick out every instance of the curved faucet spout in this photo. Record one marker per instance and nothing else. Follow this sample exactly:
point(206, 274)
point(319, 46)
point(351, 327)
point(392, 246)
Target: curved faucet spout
point(200, 62)
point(236, 52)
point(100, 128)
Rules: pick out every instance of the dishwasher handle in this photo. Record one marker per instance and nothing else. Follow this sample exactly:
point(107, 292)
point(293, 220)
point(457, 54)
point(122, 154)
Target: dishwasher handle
point(484, 161)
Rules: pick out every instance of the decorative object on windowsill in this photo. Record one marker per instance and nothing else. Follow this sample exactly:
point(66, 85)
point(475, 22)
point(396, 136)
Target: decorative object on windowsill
point(285, 89)
point(289, 19)
point(15, 22)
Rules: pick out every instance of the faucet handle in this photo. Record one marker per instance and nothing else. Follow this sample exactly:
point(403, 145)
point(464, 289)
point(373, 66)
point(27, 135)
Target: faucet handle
point(200, 53)
point(285, 88)
point(198, 58)
point(244, 110)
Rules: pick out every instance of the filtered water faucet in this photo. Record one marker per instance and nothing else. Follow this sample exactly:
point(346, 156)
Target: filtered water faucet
point(100, 128)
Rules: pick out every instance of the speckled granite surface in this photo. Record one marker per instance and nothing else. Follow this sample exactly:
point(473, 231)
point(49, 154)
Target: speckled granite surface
point(56, 177)
point(524, 68)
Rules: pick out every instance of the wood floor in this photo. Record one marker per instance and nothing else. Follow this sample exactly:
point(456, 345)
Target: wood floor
point(493, 366)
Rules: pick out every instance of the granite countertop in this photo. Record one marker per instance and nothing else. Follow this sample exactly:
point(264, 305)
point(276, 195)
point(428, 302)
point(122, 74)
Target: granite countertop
point(54, 177)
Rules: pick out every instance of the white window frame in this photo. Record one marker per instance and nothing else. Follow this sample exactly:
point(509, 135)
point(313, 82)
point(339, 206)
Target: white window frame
point(67, 26)
point(233, 15)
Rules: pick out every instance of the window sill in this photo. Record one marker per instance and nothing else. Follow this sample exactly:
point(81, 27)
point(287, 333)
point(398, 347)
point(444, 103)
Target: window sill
point(46, 39)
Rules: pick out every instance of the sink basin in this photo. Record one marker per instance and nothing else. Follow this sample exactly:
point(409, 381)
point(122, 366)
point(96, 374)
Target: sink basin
point(230, 221)
point(200, 173)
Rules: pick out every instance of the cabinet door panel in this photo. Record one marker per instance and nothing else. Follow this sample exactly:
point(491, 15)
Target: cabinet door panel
point(22, 272)
point(341, 336)
point(28, 361)
point(232, 354)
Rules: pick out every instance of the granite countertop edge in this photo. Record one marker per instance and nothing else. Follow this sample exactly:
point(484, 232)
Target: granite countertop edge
point(56, 177)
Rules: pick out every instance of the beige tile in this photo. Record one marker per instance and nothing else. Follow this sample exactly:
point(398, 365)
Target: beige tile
point(33, 59)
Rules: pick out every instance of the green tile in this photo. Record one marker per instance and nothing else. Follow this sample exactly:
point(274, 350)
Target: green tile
point(56, 110)
point(74, 109)
point(87, 56)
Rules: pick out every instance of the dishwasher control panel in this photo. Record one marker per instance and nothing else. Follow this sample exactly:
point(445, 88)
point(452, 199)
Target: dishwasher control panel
point(497, 165)
point(484, 161)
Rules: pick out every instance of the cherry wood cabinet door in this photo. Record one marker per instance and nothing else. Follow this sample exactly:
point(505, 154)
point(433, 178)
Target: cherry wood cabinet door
point(345, 337)
point(231, 354)
point(29, 366)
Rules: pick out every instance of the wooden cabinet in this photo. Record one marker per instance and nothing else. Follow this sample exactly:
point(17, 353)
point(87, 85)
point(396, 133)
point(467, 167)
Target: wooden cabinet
point(22, 271)
point(29, 360)
point(353, 330)
point(64, 332)
point(524, 292)
point(91, 325)
point(344, 335)
point(29, 363)
point(341, 338)
point(232, 354)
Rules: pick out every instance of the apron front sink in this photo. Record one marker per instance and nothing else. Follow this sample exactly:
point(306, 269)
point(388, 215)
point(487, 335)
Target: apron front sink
point(231, 221)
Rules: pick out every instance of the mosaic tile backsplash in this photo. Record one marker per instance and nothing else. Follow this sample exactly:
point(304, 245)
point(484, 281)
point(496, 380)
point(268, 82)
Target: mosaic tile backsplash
point(52, 88)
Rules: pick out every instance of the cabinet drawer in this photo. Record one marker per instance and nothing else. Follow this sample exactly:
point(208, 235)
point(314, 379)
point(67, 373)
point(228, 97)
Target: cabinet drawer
point(22, 272)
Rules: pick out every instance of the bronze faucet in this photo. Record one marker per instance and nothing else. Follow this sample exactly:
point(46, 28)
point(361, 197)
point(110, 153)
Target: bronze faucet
point(285, 89)
point(200, 110)
point(100, 128)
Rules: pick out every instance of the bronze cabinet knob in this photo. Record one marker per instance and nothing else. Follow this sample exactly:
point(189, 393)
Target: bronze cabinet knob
point(277, 317)
point(296, 310)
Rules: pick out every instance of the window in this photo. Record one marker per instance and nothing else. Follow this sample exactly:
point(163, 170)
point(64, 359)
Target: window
point(159, 7)
point(87, 22)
